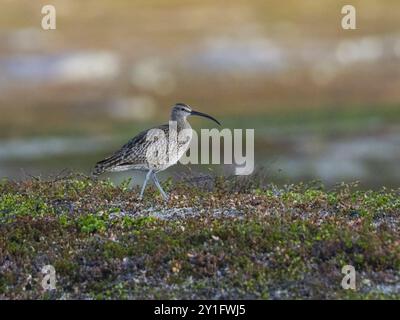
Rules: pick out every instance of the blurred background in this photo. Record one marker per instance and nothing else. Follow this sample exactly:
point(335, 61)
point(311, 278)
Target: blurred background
point(324, 102)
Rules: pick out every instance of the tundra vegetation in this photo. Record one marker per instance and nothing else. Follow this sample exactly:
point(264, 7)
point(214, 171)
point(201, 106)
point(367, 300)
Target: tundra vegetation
point(218, 238)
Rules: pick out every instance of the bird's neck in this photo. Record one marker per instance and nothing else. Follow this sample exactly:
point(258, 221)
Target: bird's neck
point(182, 123)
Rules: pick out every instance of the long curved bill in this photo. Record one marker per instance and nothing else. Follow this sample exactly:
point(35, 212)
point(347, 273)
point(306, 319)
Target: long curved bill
point(196, 113)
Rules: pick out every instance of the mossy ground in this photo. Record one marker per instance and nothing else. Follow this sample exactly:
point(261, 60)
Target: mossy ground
point(219, 238)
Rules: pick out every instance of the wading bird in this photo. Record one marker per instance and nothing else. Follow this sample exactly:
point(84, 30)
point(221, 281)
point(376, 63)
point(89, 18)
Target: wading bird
point(151, 149)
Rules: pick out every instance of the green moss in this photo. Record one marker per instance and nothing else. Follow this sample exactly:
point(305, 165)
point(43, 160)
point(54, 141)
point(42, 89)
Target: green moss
point(278, 242)
point(137, 223)
point(114, 249)
point(14, 205)
point(65, 266)
point(90, 223)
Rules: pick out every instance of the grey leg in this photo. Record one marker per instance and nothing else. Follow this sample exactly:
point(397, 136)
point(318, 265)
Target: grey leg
point(157, 183)
point(144, 183)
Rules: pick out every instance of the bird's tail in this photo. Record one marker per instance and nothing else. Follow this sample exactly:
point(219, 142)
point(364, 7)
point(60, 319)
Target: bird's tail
point(105, 165)
point(98, 169)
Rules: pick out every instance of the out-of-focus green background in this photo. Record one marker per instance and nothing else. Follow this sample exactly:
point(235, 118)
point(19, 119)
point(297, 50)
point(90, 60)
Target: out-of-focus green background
point(324, 102)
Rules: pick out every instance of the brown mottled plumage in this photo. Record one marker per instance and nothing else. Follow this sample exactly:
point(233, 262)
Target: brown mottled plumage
point(149, 149)
point(132, 155)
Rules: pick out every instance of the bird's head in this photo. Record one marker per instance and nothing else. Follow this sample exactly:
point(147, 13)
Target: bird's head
point(182, 111)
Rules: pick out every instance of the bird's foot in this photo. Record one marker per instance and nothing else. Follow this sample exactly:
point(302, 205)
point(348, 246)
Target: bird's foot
point(165, 196)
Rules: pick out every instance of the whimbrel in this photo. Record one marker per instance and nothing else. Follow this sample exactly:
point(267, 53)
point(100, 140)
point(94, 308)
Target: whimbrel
point(151, 149)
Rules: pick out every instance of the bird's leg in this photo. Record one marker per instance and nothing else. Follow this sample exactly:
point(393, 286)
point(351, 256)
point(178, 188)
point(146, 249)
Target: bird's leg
point(144, 183)
point(157, 183)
